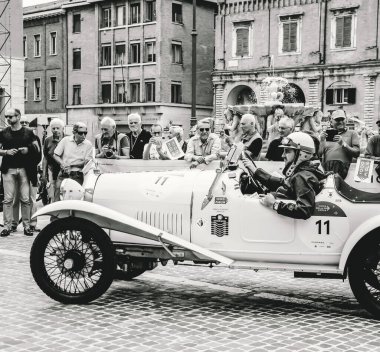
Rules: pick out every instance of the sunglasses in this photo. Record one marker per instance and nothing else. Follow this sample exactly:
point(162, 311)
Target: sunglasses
point(9, 116)
point(24, 123)
point(204, 129)
point(156, 133)
point(340, 119)
point(82, 133)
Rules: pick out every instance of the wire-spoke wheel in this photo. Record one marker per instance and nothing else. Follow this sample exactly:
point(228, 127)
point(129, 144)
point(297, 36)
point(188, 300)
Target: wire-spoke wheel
point(73, 261)
point(364, 275)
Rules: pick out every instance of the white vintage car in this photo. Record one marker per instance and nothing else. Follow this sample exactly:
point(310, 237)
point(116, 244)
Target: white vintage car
point(125, 220)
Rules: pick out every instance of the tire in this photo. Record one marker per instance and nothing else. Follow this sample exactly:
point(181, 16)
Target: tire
point(364, 275)
point(73, 261)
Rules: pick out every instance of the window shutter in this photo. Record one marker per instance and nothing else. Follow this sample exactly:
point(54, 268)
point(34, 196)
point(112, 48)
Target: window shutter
point(329, 96)
point(293, 36)
point(242, 45)
point(347, 31)
point(339, 32)
point(285, 37)
point(351, 95)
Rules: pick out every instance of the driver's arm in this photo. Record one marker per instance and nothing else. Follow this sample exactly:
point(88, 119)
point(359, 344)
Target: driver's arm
point(305, 199)
point(269, 181)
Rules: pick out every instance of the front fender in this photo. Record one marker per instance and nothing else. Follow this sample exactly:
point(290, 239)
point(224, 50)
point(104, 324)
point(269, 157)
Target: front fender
point(365, 228)
point(114, 220)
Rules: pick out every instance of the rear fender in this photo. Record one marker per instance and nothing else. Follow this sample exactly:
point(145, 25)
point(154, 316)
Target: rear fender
point(114, 220)
point(364, 229)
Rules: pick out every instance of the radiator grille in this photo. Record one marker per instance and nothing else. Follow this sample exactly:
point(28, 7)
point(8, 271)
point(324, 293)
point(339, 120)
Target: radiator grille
point(219, 225)
point(166, 221)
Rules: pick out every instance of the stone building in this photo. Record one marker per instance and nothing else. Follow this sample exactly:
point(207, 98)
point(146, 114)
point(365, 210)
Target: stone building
point(11, 58)
point(135, 56)
point(44, 47)
point(327, 49)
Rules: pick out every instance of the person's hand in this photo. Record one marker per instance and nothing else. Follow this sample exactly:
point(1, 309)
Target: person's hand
point(158, 144)
point(23, 150)
point(338, 138)
point(11, 152)
point(323, 136)
point(200, 160)
point(194, 164)
point(267, 200)
point(249, 164)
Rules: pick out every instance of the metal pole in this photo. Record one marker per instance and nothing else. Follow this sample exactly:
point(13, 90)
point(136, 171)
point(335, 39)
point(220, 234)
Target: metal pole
point(193, 118)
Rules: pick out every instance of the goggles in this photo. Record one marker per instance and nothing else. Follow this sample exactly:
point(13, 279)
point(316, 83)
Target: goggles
point(288, 143)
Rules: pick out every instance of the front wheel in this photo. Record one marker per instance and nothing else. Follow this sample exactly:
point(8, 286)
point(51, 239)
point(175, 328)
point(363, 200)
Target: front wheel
point(364, 275)
point(73, 261)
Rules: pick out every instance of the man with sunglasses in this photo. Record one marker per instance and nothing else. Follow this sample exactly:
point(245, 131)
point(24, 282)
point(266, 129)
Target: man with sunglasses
point(373, 146)
point(337, 154)
point(72, 153)
point(204, 147)
point(302, 181)
point(111, 144)
point(20, 155)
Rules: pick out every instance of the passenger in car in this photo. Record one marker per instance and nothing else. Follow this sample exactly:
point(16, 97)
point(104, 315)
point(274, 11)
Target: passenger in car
point(302, 181)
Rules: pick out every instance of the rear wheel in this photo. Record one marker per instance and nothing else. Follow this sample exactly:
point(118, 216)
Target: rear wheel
point(73, 261)
point(364, 275)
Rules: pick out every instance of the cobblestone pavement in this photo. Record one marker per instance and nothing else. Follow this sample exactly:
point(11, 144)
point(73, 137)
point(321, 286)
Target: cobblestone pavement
point(183, 308)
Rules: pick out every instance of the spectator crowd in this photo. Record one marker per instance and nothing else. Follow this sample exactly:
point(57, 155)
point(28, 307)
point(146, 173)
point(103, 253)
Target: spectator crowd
point(336, 146)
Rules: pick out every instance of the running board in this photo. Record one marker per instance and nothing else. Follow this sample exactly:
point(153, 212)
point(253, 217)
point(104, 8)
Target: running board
point(300, 268)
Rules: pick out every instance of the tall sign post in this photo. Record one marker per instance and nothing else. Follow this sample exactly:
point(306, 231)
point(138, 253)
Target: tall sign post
point(193, 118)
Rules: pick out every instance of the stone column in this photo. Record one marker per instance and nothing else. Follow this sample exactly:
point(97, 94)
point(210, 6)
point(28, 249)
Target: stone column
point(369, 98)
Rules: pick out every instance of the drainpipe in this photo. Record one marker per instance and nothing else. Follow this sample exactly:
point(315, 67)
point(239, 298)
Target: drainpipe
point(323, 61)
point(377, 29)
point(269, 24)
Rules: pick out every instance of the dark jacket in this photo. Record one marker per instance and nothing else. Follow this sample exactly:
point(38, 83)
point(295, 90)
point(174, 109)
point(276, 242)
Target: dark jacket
point(137, 144)
point(302, 187)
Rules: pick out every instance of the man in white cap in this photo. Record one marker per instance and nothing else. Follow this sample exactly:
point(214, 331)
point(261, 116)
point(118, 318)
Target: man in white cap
point(337, 154)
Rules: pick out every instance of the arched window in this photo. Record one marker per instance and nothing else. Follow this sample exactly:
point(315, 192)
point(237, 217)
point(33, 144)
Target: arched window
point(293, 94)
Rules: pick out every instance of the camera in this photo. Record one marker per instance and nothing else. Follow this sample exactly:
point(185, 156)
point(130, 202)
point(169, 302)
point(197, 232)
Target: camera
point(109, 153)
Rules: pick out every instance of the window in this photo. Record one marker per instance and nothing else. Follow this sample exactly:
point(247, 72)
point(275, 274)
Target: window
point(37, 45)
point(177, 13)
point(120, 92)
point(25, 47)
point(150, 52)
point(106, 92)
point(105, 59)
point(37, 89)
point(134, 53)
point(150, 10)
point(343, 31)
point(53, 88)
point(290, 33)
point(340, 96)
point(150, 91)
point(176, 52)
point(76, 23)
point(119, 53)
point(77, 59)
point(53, 43)
point(176, 93)
point(77, 94)
point(134, 13)
point(135, 92)
point(121, 16)
point(242, 40)
point(106, 17)
point(25, 90)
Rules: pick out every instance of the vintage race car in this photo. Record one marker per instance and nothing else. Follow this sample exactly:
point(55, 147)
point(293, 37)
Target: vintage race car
point(131, 215)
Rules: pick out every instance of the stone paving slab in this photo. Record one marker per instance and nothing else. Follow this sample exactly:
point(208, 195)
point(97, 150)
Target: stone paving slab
point(183, 308)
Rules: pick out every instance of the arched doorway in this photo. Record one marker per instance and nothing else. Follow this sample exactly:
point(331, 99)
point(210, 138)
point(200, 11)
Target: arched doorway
point(293, 94)
point(241, 95)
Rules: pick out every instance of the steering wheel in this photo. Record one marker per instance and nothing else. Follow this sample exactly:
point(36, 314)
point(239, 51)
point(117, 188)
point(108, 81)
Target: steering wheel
point(256, 183)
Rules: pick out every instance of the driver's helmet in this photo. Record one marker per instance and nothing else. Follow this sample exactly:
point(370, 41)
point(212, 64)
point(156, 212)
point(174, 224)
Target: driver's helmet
point(304, 146)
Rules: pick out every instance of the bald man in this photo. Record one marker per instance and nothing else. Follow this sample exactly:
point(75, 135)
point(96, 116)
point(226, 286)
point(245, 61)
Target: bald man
point(251, 138)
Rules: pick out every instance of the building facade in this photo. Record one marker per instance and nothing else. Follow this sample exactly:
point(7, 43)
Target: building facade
point(44, 50)
point(327, 49)
point(11, 58)
point(135, 56)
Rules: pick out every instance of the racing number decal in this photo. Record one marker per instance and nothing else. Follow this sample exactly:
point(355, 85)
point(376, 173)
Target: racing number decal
point(327, 225)
point(326, 230)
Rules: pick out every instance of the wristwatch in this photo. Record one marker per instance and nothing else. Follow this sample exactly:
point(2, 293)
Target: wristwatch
point(276, 205)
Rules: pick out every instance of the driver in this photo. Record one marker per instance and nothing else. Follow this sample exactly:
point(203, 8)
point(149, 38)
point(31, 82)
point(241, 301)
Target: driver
point(302, 181)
